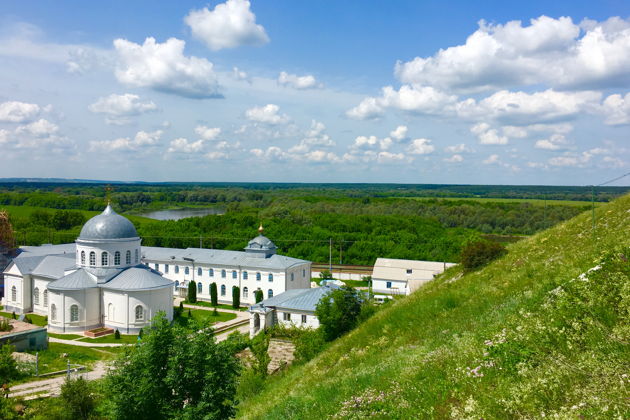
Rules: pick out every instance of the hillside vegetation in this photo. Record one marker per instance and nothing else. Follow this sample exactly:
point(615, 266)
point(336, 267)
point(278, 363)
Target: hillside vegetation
point(542, 332)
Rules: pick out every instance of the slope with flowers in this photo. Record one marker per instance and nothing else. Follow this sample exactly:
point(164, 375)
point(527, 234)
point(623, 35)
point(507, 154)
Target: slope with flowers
point(542, 332)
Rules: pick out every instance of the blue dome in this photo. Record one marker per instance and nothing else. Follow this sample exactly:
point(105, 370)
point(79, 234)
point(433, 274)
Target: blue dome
point(260, 242)
point(108, 225)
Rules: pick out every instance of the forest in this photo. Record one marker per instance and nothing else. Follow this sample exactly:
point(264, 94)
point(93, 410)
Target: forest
point(358, 222)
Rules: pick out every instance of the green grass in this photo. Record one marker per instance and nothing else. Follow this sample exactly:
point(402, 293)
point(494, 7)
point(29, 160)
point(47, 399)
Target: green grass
point(110, 338)
point(533, 201)
point(36, 319)
point(65, 336)
point(523, 337)
point(356, 283)
point(200, 314)
point(219, 306)
point(52, 360)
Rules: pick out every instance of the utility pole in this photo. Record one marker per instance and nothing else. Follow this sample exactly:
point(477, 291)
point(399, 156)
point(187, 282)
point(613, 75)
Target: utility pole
point(200, 242)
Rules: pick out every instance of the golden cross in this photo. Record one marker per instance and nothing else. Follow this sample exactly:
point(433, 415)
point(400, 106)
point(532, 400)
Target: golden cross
point(108, 191)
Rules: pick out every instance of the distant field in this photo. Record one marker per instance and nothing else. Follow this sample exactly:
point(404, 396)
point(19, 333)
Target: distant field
point(26, 211)
point(512, 200)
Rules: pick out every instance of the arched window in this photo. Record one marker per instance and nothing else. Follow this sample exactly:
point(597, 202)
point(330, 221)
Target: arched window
point(53, 312)
point(257, 276)
point(234, 275)
point(104, 261)
point(36, 296)
point(303, 273)
point(136, 255)
point(244, 275)
point(92, 259)
point(45, 298)
point(176, 284)
point(269, 293)
point(270, 277)
point(117, 258)
point(245, 292)
point(110, 312)
point(199, 287)
point(74, 313)
point(166, 268)
point(128, 257)
point(157, 267)
point(211, 272)
point(199, 272)
point(223, 274)
point(186, 270)
point(292, 276)
point(14, 294)
point(223, 290)
point(176, 269)
point(82, 257)
point(139, 313)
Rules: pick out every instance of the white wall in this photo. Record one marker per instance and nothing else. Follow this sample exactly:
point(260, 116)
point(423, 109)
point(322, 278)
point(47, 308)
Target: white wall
point(295, 319)
point(41, 284)
point(397, 287)
point(110, 247)
point(89, 314)
point(123, 313)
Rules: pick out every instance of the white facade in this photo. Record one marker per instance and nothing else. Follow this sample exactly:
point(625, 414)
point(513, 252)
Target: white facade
point(403, 277)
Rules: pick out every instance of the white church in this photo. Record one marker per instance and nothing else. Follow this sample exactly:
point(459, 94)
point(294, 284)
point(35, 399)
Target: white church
point(97, 282)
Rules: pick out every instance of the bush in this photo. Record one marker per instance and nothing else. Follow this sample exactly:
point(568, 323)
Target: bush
point(189, 314)
point(192, 292)
point(215, 312)
point(117, 334)
point(140, 333)
point(8, 366)
point(13, 315)
point(338, 312)
point(258, 295)
point(214, 300)
point(5, 325)
point(325, 275)
point(79, 399)
point(477, 254)
point(260, 346)
point(236, 297)
point(308, 345)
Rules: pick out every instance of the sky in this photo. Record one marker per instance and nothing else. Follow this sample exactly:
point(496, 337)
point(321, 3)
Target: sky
point(461, 92)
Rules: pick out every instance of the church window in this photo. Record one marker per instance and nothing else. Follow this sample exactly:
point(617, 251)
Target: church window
point(110, 312)
point(176, 284)
point(139, 313)
point(269, 293)
point(36, 296)
point(45, 298)
point(199, 272)
point(257, 276)
point(104, 261)
point(223, 290)
point(234, 275)
point(176, 269)
point(223, 274)
point(128, 257)
point(245, 292)
point(136, 256)
point(14, 294)
point(166, 268)
point(92, 259)
point(117, 258)
point(53, 312)
point(270, 277)
point(244, 275)
point(82, 257)
point(157, 267)
point(291, 276)
point(199, 287)
point(74, 313)
point(303, 273)
point(211, 272)
point(186, 270)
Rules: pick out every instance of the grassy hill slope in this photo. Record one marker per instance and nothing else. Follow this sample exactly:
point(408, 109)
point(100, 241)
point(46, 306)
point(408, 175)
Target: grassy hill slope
point(544, 331)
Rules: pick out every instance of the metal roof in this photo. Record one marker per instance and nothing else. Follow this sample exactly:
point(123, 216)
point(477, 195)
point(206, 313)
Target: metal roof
point(54, 266)
point(219, 257)
point(304, 300)
point(77, 280)
point(49, 249)
point(137, 278)
point(108, 225)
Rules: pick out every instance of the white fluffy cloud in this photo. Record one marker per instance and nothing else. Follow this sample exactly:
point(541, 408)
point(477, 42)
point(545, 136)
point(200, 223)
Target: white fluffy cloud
point(410, 98)
point(400, 133)
point(616, 108)
point(492, 160)
point(420, 147)
point(488, 135)
point(314, 137)
point(268, 114)
point(39, 128)
point(239, 74)
point(165, 68)
point(457, 148)
point(298, 82)
point(207, 133)
point(228, 25)
point(182, 145)
point(17, 112)
point(554, 142)
point(557, 52)
point(142, 139)
point(118, 108)
point(454, 159)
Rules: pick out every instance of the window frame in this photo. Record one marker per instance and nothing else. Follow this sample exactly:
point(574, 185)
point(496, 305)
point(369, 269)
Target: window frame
point(117, 258)
point(74, 313)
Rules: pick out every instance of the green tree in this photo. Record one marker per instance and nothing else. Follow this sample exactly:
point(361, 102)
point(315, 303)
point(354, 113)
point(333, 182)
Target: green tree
point(214, 298)
point(8, 366)
point(477, 254)
point(260, 349)
point(192, 292)
point(117, 334)
point(173, 374)
point(338, 312)
point(325, 275)
point(236, 297)
point(78, 397)
point(258, 295)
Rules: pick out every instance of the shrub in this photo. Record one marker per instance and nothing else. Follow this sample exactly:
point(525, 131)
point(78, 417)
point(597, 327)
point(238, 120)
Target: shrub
point(8, 366)
point(215, 312)
point(27, 319)
point(213, 294)
point(260, 346)
point(117, 334)
point(325, 275)
point(189, 314)
point(79, 399)
point(236, 297)
point(13, 315)
point(338, 312)
point(5, 325)
point(308, 345)
point(141, 333)
point(258, 295)
point(192, 292)
point(477, 254)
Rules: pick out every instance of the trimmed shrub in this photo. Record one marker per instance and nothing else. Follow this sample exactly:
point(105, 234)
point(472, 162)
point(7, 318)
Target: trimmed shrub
point(117, 334)
point(258, 295)
point(236, 297)
point(477, 254)
point(214, 299)
point(192, 292)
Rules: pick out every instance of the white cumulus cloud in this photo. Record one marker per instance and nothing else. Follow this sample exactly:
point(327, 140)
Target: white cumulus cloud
point(298, 82)
point(17, 112)
point(140, 140)
point(400, 133)
point(420, 147)
point(119, 108)
point(182, 145)
point(207, 133)
point(268, 114)
point(616, 109)
point(228, 25)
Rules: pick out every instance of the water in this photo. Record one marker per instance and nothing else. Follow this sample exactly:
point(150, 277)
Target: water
point(177, 214)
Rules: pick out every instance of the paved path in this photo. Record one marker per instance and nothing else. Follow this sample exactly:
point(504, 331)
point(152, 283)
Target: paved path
point(83, 343)
point(52, 387)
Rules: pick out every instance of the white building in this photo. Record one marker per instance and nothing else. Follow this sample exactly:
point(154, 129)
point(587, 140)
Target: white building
point(256, 268)
point(98, 281)
point(403, 277)
point(291, 308)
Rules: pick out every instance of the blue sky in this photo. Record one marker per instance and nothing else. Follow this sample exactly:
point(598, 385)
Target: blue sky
point(327, 91)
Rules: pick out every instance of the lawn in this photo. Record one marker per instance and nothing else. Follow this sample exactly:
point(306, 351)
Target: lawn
point(219, 306)
point(37, 319)
point(110, 338)
point(64, 336)
point(200, 314)
point(356, 283)
point(52, 359)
